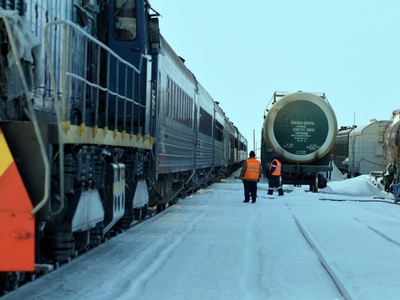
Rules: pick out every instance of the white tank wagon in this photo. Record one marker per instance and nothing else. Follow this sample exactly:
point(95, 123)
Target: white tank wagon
point(341, 148)
point(301, 129)
point(391, 155)
point(365, 148)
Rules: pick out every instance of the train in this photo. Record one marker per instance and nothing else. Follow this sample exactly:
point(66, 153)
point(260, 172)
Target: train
point(101, 125)
point(371, 150)
point(301, 129)
point(358, 150)
point(390, 179)
point(341, 148)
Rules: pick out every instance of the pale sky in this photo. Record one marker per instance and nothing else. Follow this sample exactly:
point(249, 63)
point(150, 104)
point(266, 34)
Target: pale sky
point(242, 52)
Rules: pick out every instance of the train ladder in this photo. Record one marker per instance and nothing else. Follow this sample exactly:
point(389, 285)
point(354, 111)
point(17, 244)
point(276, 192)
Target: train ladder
point(17, 223)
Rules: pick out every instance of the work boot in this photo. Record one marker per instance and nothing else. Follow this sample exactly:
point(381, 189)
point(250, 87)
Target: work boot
point(245, 201)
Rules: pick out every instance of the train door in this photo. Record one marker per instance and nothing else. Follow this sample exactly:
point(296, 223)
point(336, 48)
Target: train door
point(128, 38)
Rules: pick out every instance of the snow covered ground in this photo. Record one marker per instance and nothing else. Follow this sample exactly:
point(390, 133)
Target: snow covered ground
point(211, 245)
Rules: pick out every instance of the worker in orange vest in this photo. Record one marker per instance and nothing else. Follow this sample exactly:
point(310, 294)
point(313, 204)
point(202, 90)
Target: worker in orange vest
point(250, 175)
point(274, 175)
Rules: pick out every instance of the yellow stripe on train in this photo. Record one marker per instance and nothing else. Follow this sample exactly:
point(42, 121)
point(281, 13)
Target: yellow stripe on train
point(6, 158)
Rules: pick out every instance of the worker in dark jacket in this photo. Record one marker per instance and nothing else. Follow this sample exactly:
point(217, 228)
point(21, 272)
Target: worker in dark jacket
point(250, 174)
point(274, 175)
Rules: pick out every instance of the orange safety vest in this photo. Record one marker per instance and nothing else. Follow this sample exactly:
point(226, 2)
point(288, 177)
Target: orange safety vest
point(277, 171)
point(252, 170)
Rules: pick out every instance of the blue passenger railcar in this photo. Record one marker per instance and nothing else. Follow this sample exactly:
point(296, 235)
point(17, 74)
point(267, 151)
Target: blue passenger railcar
point(193, 144)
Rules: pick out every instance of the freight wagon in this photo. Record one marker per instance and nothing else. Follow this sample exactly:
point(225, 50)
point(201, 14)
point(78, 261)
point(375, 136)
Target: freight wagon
point(301, 129)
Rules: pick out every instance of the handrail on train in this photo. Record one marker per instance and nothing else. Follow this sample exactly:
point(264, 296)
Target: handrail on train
point(72, 74)
point(69, 31)
point(61, 88)
point(46, 163)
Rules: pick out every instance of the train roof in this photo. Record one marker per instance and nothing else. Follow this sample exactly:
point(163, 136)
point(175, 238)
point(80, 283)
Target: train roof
point(167, 50)
point(371, 125)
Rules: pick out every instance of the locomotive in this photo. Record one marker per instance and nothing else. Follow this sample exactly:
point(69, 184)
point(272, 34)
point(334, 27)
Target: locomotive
point(301, 129)
point(101, 124)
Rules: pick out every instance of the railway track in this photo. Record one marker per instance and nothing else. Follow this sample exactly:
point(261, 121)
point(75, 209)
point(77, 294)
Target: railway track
point(44, 269)
point(337, 250)
point(291, 247)
point(332, 273)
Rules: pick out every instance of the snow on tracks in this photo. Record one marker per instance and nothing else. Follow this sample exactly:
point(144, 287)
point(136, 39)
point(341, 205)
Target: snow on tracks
point(358, 246)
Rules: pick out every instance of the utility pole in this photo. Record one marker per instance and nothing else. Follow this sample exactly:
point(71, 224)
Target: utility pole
point(254, 140)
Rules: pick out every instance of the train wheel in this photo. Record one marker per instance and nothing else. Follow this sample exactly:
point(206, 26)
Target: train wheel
point(160, 207)
point(9, 281)
point(145, 211)
point(59, 247)
point(137, 213)
point(314, 185)
point(29, 277)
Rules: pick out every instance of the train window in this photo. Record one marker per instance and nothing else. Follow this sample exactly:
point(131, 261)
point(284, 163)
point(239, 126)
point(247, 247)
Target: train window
point(219, 131)
point(190, 112)
point(168, 97)
point(172, 102)
point(175, 102)
point(186, 116)
point(125, 19)
point(205, 122)
point(179, 106)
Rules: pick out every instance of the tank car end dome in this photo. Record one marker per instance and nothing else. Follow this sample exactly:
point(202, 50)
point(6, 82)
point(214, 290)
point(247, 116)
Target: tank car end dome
point(301, 127)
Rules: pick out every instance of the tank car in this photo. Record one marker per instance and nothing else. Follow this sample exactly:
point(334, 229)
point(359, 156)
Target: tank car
point(301, 129)
point(100, 121)
point(391, 156)
point(365, 148)
point(341, 148)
